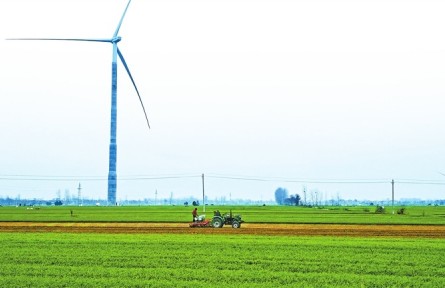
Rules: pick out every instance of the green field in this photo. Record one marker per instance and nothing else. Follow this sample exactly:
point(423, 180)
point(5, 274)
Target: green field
point(251, 214)
point(52, 259)
point(161, 260)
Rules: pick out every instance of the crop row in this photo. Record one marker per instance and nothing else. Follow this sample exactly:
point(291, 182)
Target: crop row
point(252, 214)
point(172, 260)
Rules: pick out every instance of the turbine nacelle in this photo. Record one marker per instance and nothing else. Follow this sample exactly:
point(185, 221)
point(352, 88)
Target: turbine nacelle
point(116, 39)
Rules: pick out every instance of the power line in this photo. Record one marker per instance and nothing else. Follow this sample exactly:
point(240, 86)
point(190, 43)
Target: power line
point(91, 178)
point(313, 181)
point(420, 182)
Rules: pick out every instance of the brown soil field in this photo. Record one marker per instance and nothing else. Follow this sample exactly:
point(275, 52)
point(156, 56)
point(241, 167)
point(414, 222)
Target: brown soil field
point(430, 231)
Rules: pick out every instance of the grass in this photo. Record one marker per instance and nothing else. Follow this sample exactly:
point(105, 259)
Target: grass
point(178, 260)
point(427, 215)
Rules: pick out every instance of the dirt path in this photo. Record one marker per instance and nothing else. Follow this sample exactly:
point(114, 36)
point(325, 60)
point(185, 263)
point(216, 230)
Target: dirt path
point(435, 231)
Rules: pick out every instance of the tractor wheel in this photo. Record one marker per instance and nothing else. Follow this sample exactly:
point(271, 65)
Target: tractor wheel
point(236, 224)
point(217, 222)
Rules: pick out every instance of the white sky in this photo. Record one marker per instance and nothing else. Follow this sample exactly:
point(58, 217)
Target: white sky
point(292, 89)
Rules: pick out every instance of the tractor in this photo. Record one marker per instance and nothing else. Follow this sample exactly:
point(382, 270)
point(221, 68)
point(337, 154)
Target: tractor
point(219, 220)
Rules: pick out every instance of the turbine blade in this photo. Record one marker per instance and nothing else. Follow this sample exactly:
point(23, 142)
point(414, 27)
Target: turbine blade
point(122, 19)
point(134, 84)
point(63, 39)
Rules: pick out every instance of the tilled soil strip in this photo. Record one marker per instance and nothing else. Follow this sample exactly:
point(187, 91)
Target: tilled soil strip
point(433, 231)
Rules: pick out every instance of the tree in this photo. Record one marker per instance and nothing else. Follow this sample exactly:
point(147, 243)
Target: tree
point(297, 199)
point(293, 200)
point(280, 195)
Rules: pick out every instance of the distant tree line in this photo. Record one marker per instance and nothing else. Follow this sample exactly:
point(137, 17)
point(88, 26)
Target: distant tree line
point(194, 203)
point(282, 197)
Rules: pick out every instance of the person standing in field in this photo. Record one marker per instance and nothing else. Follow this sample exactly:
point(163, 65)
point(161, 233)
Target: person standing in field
point(195, 214)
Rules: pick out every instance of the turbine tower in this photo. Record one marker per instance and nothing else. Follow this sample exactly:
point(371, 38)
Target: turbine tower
point(112, 177)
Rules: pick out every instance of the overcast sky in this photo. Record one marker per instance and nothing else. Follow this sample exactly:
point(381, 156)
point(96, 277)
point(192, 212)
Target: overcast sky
point(307, 91)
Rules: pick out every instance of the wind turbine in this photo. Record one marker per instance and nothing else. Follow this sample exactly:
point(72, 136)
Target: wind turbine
point(112, 177)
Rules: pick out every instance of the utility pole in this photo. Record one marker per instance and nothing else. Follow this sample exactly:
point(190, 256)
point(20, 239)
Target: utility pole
point(392, 184)
point(203, 195)
point(156, 196)
point(304, 195)
point(79, 198)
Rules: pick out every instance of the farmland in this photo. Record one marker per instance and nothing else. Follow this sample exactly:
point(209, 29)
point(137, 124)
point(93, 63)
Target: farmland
point(277, 246)
point(420, 231)
point(253, 214)
point(180, 260)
